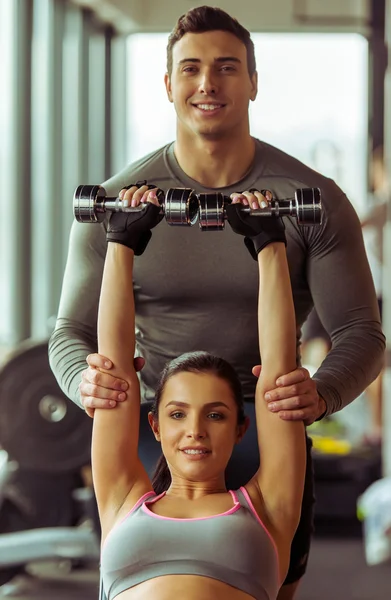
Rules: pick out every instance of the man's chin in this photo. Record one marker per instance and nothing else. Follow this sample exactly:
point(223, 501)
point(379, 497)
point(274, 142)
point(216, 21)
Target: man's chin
point(212, 134)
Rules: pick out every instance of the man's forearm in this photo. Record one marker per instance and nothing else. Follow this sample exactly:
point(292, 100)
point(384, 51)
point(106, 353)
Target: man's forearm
point(68, 350)
point(352, 364)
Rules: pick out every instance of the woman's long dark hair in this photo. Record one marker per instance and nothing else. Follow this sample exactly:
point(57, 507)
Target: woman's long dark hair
point(193, 362)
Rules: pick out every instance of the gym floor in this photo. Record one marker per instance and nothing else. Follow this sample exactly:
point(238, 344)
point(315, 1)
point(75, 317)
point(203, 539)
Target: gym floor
point(337, 571)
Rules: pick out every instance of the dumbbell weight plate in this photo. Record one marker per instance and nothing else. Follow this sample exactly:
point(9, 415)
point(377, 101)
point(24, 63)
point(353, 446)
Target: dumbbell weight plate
point(88, 203)
point(212, 217)
point(181, 206)
point(308, 206)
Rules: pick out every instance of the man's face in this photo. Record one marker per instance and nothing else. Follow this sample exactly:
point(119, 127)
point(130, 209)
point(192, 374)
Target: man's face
point(210, 85)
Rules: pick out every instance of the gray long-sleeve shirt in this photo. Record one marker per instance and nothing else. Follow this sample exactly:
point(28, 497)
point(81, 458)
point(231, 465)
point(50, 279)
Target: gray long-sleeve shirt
point(198, 290)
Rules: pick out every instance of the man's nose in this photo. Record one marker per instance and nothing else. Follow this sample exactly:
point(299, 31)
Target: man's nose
point(208, 83)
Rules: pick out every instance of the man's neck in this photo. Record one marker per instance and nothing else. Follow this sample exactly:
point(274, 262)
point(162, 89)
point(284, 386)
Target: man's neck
point(215, 163)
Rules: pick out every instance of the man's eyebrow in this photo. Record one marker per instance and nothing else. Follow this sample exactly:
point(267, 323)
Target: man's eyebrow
point(186, 405)
point(228, 59)
point(219, 59)
point(185, 60)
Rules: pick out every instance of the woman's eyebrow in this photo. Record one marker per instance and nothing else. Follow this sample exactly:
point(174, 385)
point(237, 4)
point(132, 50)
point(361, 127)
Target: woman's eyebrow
point(186, 405)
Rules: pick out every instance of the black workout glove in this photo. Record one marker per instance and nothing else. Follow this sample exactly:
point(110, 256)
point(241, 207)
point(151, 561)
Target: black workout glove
point(258, 231)
point(133, 229)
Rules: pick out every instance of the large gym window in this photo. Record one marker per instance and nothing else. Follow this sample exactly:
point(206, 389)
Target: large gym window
point(312, 101)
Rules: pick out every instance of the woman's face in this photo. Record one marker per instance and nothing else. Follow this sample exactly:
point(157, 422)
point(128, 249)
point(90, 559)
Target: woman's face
point(197, 426)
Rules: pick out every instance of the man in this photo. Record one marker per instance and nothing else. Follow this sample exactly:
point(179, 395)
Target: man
point(211, 79)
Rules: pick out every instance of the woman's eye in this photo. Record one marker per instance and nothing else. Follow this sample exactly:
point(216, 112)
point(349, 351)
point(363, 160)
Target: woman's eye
point(176, 415)
point(216, 416)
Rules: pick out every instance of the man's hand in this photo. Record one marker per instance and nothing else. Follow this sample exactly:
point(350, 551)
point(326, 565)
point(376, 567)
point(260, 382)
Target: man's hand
point(296, 397)
point(102, 390)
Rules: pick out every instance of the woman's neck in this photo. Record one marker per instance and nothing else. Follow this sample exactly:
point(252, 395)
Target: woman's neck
point(189, 490)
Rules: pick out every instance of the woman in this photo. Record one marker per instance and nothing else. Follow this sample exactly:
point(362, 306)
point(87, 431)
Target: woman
point(193, 538)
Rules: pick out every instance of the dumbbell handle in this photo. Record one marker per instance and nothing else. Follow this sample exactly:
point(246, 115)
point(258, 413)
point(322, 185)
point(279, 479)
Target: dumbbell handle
point(117, 205)
point(276, 208)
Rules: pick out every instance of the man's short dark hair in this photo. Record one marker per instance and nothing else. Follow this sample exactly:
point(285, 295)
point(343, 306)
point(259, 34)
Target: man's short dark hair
point(207, 18)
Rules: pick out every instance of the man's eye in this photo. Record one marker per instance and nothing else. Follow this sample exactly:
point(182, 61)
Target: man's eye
point(189, 69)
point(227, 68)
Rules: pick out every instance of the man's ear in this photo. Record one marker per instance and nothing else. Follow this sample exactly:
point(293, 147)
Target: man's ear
point(167, 83)
point(254, 86)
point(154, 424)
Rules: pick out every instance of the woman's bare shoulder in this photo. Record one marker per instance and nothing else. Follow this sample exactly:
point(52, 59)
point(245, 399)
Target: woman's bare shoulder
point(113, 514)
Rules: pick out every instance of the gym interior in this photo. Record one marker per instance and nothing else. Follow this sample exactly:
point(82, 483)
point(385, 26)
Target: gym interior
point(83, 96)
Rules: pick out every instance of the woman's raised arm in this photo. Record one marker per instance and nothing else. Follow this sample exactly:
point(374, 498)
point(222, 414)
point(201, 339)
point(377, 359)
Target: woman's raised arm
point(281, 443)
point(116, 467)
point(279, 481)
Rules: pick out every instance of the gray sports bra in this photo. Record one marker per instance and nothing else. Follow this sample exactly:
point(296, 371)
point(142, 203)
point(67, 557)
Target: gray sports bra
point(233, 547)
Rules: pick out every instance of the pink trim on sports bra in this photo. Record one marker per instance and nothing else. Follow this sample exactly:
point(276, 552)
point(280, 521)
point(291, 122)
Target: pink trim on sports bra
point(139, 501)
point(228, 512)
point(256, 515)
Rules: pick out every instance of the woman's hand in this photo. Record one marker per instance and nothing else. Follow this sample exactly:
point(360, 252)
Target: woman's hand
point(134, 195)
point(259, 232)
point(133, 229)
point(252, 198)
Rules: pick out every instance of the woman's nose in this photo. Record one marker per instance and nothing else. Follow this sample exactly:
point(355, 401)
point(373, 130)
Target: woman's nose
point(196, 429)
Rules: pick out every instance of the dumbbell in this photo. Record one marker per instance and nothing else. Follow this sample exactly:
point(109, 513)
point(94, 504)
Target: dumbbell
point(306, 206)
point(181, 206)
point(90, 204)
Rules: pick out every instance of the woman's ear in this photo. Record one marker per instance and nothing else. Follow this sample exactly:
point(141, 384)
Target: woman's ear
point(154, 424)
point(241, 430)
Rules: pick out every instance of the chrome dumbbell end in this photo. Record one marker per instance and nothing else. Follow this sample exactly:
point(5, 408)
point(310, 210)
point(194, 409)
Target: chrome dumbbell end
point(212, 211)
point(308, 206)
point(88, 203)
point(181, 206)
